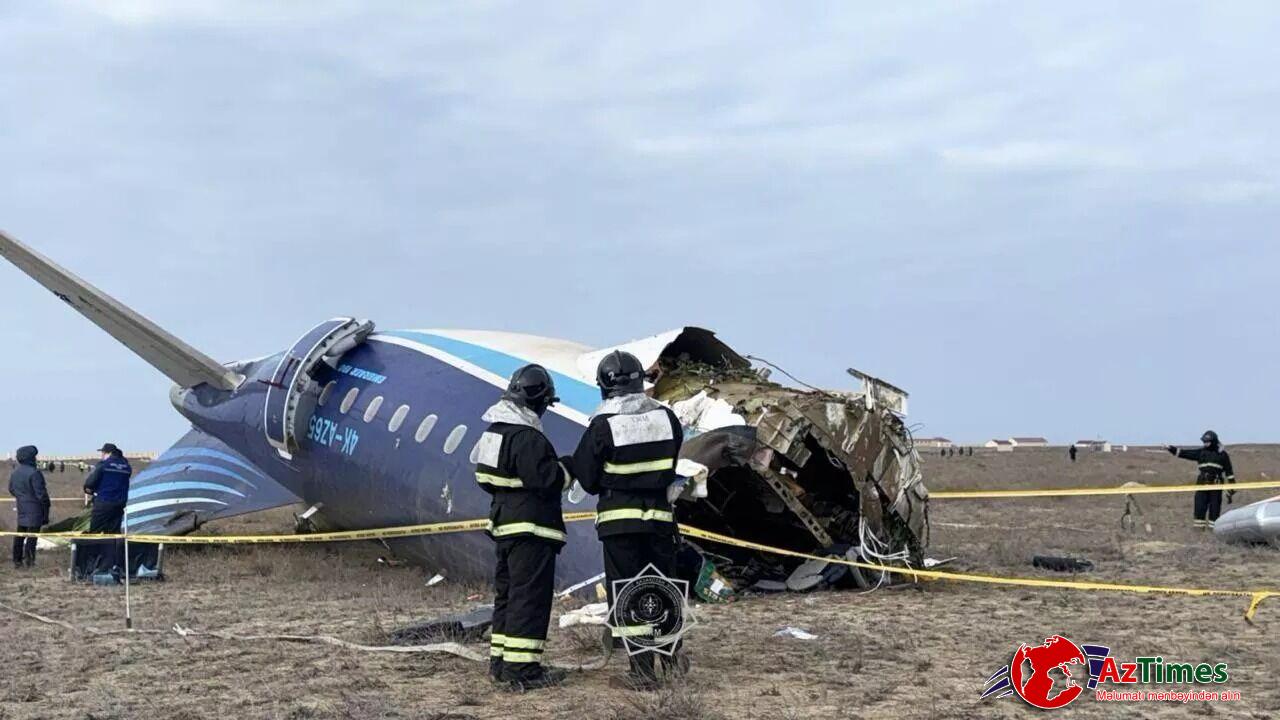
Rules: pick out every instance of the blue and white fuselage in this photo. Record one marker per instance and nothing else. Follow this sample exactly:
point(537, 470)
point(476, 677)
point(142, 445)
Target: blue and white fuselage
point(388, 444)
point(376, 429)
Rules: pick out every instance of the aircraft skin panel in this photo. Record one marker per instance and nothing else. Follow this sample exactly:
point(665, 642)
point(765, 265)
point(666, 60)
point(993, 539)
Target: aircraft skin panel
point(552, 353)
point(578, 399)
point(365, 475)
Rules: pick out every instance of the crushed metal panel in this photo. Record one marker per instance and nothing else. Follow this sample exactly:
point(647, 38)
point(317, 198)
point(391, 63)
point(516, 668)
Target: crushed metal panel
point(828, 469)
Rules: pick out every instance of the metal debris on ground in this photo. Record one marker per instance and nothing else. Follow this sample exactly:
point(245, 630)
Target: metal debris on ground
point(466, 627)
point(795, 632)
point(593, 614)
point(1062, 564)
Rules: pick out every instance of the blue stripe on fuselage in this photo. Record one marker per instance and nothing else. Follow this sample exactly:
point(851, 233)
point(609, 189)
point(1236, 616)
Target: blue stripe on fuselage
point(580, 396)
point(177, 453)
point(149, 474)
point(181, 485)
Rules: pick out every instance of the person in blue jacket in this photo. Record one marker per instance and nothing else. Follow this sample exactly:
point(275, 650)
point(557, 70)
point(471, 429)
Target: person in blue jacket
point(107, 486)
point(28, 489)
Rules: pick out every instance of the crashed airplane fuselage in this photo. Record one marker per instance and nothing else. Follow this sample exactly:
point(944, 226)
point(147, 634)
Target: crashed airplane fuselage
point(375, 429)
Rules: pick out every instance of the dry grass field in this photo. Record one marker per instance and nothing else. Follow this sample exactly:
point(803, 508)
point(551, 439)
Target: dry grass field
point(910, 652)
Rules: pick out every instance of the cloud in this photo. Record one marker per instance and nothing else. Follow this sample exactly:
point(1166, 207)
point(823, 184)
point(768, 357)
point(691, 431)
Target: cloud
point(827, 173)
point(1039, 155)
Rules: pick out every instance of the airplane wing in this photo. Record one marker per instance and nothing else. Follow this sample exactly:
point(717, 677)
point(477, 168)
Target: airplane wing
point(197, 480)
point(182, 363)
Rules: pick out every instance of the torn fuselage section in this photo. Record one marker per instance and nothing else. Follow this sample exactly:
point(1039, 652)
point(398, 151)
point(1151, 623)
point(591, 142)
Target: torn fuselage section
point(813, 471)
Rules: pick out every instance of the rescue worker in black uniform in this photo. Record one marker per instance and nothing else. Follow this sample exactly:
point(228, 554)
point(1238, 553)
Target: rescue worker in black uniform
point(516, 463)
point(627, 457)
point(1215, 469)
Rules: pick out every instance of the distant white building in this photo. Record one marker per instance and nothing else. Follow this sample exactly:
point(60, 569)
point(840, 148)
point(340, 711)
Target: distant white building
point(1000, 445)
point(1029, 442)
point(933, 442)
point(1094, 445)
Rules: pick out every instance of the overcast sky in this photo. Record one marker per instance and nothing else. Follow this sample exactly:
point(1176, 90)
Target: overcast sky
point(1042, 218)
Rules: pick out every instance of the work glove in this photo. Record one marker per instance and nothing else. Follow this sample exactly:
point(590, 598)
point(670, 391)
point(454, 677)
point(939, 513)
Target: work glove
point(1173, 449)
point(675, 490)
point(1230, 495)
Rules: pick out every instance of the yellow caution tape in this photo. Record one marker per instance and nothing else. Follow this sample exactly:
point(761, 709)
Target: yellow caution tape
point(1013, 493)
point(1256, 596)
point(1067, 492)
point(339, 536)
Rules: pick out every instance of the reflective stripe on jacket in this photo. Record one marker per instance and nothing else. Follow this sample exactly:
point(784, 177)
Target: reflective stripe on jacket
point(518, 466)
point(628, 459)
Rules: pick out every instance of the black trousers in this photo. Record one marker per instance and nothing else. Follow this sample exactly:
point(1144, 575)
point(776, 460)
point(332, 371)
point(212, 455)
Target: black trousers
point(24, 548)
point(626, 556)
point(106, 517)
point(1208, 504)
point(524, 584)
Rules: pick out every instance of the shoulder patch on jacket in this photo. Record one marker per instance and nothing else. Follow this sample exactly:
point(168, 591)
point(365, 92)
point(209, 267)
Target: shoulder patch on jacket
point(653, 426)
point(487, 449)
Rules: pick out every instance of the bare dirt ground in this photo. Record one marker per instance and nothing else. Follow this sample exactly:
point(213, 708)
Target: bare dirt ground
point(914, 652)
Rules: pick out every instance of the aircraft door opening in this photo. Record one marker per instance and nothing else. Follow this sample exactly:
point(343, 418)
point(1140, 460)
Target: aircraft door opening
point(293, 392)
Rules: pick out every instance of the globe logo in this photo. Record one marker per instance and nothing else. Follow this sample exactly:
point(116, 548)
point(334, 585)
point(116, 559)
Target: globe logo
point(1041, 675)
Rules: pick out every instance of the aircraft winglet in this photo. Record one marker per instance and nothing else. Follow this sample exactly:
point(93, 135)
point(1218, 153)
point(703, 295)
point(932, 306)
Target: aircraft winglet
point(182, 363)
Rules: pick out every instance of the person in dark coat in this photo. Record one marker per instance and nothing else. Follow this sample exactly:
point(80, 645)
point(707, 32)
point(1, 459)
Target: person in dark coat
point(108, 487)
point(27, 486)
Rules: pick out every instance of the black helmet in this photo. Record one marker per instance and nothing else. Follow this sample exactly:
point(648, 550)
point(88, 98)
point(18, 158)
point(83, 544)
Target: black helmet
point(1210, 438)
point(531, 386)
point(620, 373)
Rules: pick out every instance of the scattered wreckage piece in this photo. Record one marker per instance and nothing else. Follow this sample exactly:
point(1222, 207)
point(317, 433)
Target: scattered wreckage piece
point(1255, 523)
point(462, 628)
point(1062, 564)
point(816, 471)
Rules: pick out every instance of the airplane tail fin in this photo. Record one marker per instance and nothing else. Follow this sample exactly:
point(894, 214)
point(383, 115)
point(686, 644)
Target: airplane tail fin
point(182, 363)
point(197, 480)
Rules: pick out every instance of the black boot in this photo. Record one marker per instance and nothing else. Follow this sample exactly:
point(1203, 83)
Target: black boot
point(495, 669)
point(641, 676)
point(676, 665)
point(538, 679)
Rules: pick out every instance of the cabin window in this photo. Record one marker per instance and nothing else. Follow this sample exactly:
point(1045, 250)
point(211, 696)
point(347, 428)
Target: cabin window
point(428, 423)
point(372, 411)
point(327, 392)
point(349, 400)
point(452, 442)
point(397, 420)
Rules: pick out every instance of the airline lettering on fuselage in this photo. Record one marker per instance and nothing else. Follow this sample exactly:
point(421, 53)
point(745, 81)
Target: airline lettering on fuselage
point(362, 374)
point(323, 431)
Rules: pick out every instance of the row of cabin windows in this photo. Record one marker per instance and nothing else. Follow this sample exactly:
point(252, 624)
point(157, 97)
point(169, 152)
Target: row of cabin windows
point(428, 423)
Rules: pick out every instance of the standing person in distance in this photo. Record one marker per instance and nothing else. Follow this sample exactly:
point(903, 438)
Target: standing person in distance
point(1215, 469)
